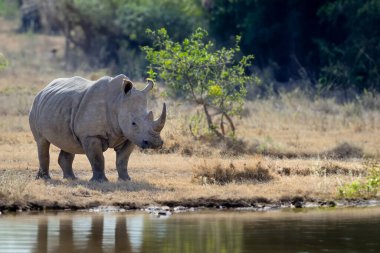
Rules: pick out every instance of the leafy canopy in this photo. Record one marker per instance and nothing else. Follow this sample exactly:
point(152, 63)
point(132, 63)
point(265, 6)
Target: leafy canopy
point(194, 69)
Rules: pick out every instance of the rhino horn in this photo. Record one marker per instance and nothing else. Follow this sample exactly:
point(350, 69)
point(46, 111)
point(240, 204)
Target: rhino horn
point(149, 116)
point(159, 123)
point(149, 86)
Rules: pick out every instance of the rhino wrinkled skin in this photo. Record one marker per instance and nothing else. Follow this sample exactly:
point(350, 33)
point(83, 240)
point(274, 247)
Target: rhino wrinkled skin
point(80, 116)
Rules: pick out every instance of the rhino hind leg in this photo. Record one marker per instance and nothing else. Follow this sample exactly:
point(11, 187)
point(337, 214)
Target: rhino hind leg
point(65, 161)
point(94, 151)
point(44, 158)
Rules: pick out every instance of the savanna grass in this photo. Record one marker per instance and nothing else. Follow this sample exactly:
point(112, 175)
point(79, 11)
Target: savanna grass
point(214, 172)
point(286, 145)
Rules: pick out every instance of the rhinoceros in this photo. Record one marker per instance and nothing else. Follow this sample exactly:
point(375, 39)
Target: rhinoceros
point(80, 116)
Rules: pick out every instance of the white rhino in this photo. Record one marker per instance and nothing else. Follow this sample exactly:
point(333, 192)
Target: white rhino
point(80, 116)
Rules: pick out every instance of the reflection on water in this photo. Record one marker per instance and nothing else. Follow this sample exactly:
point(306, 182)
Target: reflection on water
point(348, 230)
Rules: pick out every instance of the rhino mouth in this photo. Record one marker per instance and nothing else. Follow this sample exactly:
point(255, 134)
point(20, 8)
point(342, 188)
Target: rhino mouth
point(145, 144)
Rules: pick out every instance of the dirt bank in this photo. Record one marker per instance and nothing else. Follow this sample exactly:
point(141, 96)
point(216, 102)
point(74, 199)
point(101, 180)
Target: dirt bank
point(195, 204)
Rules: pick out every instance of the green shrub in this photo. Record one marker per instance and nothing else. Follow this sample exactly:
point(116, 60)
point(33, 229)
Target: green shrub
point(195, 70)
point(363, 189)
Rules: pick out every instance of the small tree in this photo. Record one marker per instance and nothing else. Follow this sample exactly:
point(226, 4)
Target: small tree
point(208, 77)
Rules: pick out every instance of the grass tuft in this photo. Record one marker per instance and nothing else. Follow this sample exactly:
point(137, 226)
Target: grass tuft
point(331, 168)
point(217, 173)
point(13, 185)
point(345, 150)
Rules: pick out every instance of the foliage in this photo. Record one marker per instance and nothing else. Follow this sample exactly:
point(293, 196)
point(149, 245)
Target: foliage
point(195, 70)
point(367, 188)
point(333, 43)
point(8, 8)
point(110, 33)
point(319, 44)
point(351, 56)
point(279, 33)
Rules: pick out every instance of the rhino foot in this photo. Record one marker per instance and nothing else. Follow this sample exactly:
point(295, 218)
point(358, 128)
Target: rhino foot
point(43, 175)
point(70, 177)
point(124, 178)
point(99, 179)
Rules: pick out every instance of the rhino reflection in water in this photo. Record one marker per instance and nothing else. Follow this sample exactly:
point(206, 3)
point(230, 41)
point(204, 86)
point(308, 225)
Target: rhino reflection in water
point(99, 234)
point(88, 117)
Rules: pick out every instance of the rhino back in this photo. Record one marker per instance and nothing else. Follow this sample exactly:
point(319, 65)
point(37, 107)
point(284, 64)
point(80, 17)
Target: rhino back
point(54, 109)
point(97, 113)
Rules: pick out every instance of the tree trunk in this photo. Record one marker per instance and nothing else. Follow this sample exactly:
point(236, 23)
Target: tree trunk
point(209, 122)
point(230, 122)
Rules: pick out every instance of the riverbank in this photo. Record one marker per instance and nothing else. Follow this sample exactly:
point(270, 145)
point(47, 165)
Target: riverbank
point(168, 208)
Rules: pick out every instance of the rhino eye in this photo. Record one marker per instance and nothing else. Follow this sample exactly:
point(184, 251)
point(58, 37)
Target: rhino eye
point(133, 123)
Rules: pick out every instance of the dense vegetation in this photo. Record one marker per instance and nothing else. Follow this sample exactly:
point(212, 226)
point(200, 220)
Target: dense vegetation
point(333, 43)
point(327, 44)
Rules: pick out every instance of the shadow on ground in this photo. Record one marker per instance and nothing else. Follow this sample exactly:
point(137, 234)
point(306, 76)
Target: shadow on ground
point(107, 187)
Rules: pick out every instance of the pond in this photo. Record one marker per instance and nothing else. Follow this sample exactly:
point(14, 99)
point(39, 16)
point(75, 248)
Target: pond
point(329, 230)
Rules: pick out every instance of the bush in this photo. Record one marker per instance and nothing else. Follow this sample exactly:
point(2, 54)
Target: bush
point(363, 189)
point(195, 70)
point(345, 150)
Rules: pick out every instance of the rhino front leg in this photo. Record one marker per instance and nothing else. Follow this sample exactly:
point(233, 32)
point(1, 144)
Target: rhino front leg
point(65, 160)
point(44, 158)
point(122, 157)
point(94, 152)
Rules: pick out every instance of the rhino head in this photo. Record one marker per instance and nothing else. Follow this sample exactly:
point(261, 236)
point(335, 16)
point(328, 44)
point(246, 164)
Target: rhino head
point(135, 122)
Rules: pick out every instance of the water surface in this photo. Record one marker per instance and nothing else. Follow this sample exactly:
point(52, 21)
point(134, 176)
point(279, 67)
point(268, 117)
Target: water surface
point(341, 230)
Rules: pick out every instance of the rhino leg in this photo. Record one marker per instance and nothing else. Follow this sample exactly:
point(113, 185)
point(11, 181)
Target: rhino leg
point(122, 156)
point(65, 160)
point(44, 158)
point(94, 152)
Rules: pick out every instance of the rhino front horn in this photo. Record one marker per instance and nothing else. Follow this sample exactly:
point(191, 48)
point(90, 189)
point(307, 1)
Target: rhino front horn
point(160, 122)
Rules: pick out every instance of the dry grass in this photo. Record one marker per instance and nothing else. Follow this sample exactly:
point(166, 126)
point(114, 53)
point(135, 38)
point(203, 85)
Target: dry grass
point(13, 185)
point(292, 125)
point(214, 172)
point(290, 146)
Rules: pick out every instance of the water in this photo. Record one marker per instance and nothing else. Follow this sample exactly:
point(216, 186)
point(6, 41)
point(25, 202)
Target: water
point(344, 230)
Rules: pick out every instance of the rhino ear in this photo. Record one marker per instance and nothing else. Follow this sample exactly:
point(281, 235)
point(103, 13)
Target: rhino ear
point(126, 86)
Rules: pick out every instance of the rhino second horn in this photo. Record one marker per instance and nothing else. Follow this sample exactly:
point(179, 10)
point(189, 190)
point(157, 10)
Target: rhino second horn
point(160, 122)
point(149, 116)
point(148, 87)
